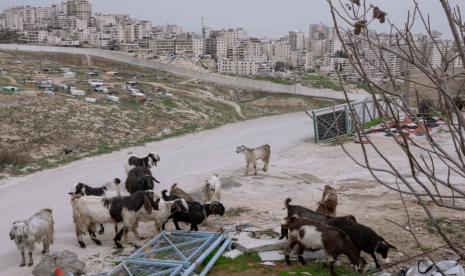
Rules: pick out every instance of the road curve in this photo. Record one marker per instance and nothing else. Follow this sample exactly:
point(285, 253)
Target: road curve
point(188, 160)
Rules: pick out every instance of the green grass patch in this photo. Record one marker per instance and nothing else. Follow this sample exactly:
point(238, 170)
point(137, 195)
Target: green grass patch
point(320, 81)
point(249, 264)
point(376, 121)
point(275, 80)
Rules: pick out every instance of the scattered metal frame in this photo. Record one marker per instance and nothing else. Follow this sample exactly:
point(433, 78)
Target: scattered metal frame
point(332, 122)
point(173, 253)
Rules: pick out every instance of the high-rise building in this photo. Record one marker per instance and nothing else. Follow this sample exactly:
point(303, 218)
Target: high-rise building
point(297, 40)
point(80, 8)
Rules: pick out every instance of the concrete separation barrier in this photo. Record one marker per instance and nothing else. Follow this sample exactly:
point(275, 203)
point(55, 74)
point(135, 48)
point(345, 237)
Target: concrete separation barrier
point(190, 73)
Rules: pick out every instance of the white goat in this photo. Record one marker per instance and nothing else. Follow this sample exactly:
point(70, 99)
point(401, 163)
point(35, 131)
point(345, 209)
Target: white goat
point(160, 216)
point(36, 229)
point(252, 155)
point(87, 212)
point(123, 212)
point(211, 191)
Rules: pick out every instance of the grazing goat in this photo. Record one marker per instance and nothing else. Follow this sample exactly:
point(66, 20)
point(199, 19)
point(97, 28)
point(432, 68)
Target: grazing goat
point(328, 203)
point(252, 155)
point(139, 179)
point(310, 235)
point(177, 192)
point(300, 211)
point(89, 211)
point(36, 229)
point(86, 190)
point(211, 191)
point(147, 162)
point(160, 216)
point(364, 237)
point(197, 212)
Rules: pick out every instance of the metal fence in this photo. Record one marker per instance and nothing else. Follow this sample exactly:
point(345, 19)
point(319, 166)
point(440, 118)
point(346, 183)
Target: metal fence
point(173, 253)
point(336, 121)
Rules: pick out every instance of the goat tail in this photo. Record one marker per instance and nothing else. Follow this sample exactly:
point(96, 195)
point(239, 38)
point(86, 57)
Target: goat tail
point(47, 210)
point(117, 181)
point(174, 185)
point(154, 179)
point(287, 201)
point(164, 195)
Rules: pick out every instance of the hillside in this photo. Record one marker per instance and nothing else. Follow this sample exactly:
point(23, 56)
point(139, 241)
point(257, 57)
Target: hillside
point(40, 131)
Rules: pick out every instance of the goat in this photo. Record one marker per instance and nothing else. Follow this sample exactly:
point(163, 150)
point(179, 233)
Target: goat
point(147, 162)
point(328, 203)
point(311, 235)
point(211, 191)
point(300, 211)
point(83, 189)
point(126, 210)
point(197, 212)
point(91, 210)
point(139, 179)
point(252, 155)
point(165, 210)
point(364, 237)
point(180, 193)
point(36, 229)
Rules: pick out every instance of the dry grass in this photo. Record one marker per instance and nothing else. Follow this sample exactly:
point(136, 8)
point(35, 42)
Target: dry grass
point(12, 158)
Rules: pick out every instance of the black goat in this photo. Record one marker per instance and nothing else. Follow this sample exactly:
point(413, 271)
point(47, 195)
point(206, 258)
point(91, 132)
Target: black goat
point(140, 179)
point(197, 212)
point(127, 209)
point(300, 211)
point(364, 237)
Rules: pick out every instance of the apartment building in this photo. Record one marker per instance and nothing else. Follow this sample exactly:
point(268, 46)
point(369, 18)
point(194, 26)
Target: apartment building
point(80, 8)
point(297, 40)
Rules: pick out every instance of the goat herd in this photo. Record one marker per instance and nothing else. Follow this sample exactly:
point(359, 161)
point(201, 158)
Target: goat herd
point(94, 207)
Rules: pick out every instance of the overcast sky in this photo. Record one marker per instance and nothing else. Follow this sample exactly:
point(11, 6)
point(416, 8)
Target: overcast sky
point(272, 18)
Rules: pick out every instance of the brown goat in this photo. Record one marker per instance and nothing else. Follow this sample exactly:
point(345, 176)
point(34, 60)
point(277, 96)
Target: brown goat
point(180, 193)
point(310, 235)
point(327, 205)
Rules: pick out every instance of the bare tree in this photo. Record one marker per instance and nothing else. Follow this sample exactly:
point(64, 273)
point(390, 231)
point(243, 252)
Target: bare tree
point(436, 169)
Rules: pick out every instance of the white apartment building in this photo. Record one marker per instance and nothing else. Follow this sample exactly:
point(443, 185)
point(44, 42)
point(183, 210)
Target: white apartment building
point(237, 67)
point(100, 20)
point(35, 37)
point(216, 47)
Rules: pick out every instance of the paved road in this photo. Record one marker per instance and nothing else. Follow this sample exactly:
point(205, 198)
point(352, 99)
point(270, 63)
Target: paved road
point(187, 160)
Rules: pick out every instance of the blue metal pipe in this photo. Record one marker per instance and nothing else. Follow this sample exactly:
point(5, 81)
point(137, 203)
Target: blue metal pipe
point(212, 262)
point(204, 255)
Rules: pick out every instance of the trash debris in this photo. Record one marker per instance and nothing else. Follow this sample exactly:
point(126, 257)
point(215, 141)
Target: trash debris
point(232, 254)
point(269, 263)
point(427, 268)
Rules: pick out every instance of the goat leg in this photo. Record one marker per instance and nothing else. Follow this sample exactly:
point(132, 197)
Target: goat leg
point(31, 261)
point(300, 251)
point(45, 250)
point(23, 259)
point(247, 167)
point(102, 230)
point(118, 236)
point(176, 224)
point(255, 168)
point(373, 255)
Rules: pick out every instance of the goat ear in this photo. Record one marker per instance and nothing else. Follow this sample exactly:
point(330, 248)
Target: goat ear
point(147, 205)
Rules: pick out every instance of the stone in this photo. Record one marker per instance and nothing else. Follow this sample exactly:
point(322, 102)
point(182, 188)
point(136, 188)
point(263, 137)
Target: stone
point(233, 254)
point(247, 244)
point(275, 255)
point(66, 260)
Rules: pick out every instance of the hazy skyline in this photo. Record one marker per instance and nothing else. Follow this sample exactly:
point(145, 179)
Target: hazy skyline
point(271, 18)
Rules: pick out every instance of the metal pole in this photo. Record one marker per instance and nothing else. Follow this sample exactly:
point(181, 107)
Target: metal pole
point(202, 257)
point(212, 262)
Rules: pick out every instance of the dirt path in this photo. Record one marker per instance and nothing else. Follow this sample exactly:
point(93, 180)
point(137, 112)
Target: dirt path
point(187, 160)
point(236, 107)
